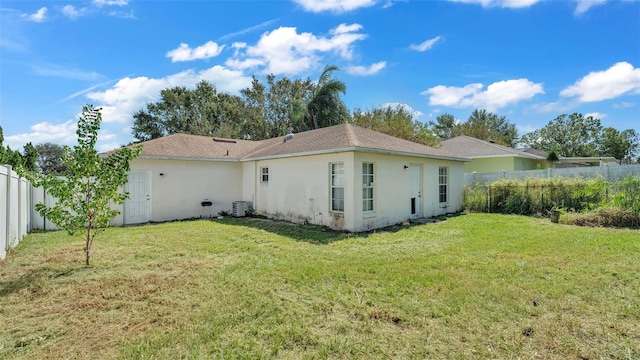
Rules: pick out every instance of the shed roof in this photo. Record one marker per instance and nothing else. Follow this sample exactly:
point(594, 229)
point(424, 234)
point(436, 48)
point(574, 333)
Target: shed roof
point(344, 137)
point(471, 147)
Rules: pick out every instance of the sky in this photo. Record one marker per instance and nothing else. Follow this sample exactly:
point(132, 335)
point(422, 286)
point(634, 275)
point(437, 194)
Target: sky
point(528, 60)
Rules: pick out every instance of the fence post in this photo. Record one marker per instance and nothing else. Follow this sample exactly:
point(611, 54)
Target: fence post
point(8, 205)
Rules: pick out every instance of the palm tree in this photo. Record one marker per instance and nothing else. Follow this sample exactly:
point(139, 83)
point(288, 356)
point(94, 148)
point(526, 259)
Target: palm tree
point(324, 107)
point(553, 156)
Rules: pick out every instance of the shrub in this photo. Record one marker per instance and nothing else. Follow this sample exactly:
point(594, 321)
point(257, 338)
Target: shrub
point(475, 198)
point(616, 203)
point(605, 217)
point(627, 194)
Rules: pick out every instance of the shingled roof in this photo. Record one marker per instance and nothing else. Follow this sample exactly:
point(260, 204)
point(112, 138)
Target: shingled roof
point(344, 137)
point(470, 147)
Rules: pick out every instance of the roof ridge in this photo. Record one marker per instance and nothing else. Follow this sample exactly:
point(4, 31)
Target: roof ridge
point(352, 138)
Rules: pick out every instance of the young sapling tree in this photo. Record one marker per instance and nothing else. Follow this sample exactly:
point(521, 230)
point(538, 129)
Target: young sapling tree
point(92, 186)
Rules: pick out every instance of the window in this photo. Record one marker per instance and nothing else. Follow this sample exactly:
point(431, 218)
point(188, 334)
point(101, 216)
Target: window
point(443, 181)
point(264, 174)
point(367, 187)
point(337, 187)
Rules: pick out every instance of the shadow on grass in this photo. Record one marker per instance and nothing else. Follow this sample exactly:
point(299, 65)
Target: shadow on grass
point(31, 281)
point(313, 234)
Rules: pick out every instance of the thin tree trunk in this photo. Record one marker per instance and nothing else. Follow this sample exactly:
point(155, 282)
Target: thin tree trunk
point(88, 244)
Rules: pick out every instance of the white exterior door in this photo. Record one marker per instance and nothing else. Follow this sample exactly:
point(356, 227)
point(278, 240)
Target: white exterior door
point(136, 207)
point(415, 195)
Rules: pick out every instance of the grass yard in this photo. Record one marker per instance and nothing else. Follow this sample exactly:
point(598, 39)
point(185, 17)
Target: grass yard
point(474, 286)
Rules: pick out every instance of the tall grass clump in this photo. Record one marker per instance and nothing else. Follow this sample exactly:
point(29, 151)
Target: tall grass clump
point(627, 194)
point(594, 202)
point(475, 198)
point(538, 196)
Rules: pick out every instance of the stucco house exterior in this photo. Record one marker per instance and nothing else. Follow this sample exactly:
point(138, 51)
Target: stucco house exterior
point(487, 156)
point(344, 177)
point(491, 157)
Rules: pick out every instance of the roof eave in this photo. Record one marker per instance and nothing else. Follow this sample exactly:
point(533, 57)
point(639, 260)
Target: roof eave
point(358, 149)
point(508, 155)
point(225, 159)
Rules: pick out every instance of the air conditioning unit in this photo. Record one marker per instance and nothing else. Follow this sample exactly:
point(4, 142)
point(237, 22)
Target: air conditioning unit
point(239, 208)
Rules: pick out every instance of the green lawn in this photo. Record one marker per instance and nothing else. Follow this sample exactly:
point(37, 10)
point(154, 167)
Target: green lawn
point(474, 286)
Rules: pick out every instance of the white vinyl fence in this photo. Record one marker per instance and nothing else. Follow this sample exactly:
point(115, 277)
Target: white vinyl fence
point(15, 209)
point(612, 173)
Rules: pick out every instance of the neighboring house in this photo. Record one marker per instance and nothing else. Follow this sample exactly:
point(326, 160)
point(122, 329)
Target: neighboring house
point(344, 177)
point(569, 162)
point(491, 157)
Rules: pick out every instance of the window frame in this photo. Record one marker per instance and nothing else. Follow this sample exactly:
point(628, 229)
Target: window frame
point(264, 175)
point(336, 181)
point(443, 184)
point(368, 181)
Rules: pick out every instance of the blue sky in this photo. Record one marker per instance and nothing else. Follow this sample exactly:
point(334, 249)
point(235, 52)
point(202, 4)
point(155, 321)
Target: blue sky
point(529, 60)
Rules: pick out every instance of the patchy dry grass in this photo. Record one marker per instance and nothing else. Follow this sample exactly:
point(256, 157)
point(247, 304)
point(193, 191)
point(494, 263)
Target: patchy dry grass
point(474, 286)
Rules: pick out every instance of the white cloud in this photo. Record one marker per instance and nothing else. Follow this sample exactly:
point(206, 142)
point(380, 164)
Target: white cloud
point(131, 94)
point(596, 115)
point(65, 72)
point(619, 79)
point(425, 45)
point(556, 106)
point(624, 105)
point(88, 89)
point(123, 14)
point(366, 70)
point(109, 146)
point(71, 12)
point(110, 2)
point(525, 129)
point(63, 134)
point(583, 6)
point(285, 51)
point(406, 107)
point(248, 30)
point(344, 28)
point(496, 96)
point(185, 53)
point(336, 6)
point(38, 16)
point(511, 4)
point(450, 95)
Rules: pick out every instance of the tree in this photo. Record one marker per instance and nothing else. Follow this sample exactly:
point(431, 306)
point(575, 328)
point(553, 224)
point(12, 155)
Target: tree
point(623, 145)
point(2, 149)
point(553, 157)
point(395, 121)
point(574, 134)
point(488, 126)
point(324, 107)
point(446, 126)
point(92, 185)
point(12, 157)
point(200, 111)
point(50, 158)
point(29, 157)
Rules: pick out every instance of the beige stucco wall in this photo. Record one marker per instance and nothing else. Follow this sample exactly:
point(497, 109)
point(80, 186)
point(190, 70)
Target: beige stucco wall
point(177, 194)
point(391, 189)
point(298, 189)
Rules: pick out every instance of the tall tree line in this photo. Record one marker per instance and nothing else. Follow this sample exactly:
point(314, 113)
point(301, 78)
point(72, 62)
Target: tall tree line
point(27, 158)
point(259, 112)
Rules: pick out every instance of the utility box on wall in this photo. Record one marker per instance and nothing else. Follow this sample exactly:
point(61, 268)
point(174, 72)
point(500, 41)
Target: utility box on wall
point(239, 208)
